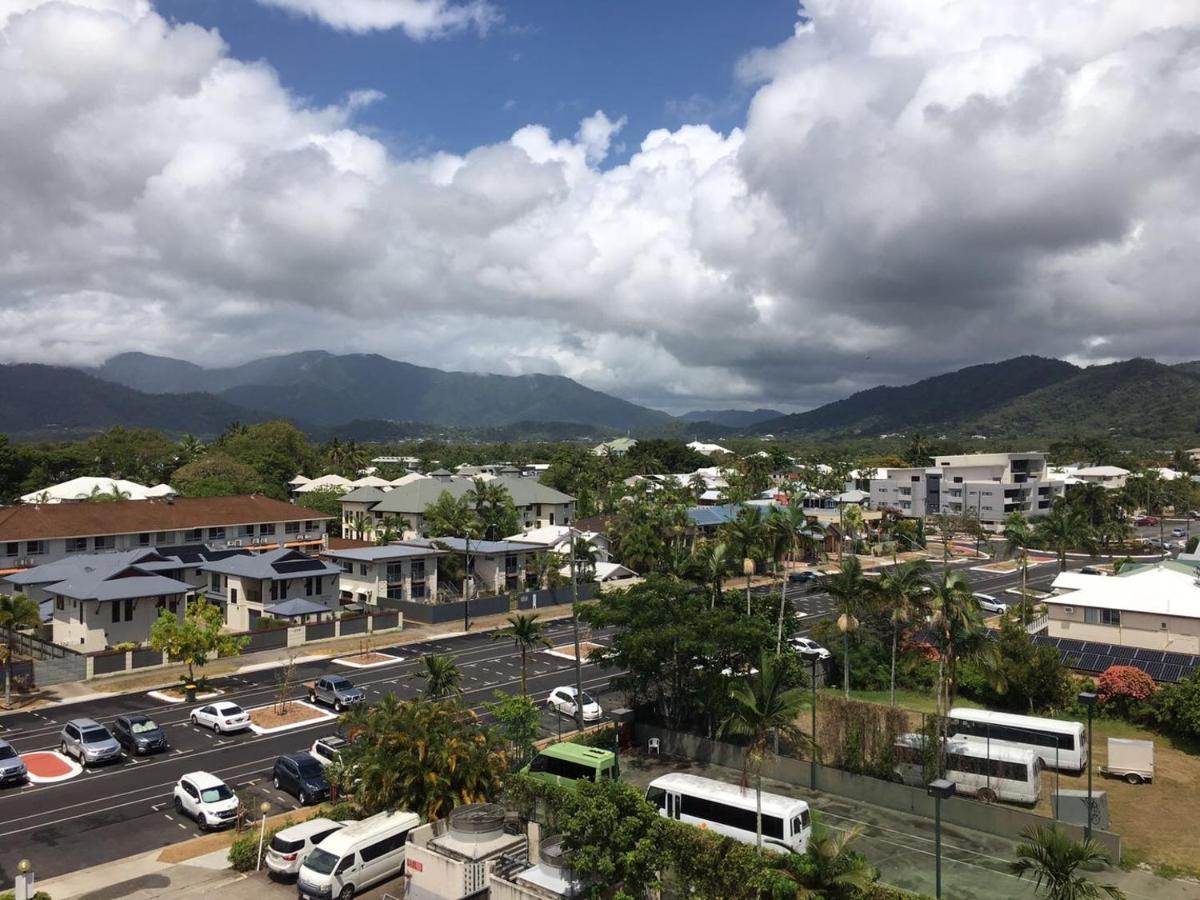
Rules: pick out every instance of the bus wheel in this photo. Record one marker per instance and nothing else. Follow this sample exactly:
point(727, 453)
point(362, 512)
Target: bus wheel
point(986, 795)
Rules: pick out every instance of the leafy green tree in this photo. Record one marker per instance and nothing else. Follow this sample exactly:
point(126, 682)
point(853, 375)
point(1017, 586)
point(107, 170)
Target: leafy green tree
point(441, 675)
point(852, 592)
point(217, 474)
point(1054, 861)
point(829, 867)
point(276, 450)
point(16, 611)
point(710, 563)
point(195, 637)
point(646, 523)
point(137, 454)
point(1032, 675)
point(899, 592)
point(527, 632)
point(423, 755)
point(763, 707)
point(391, 529)
point(325, 500)
point(746, 535)
point(494, 509)
point(518, 719)
point(189, 449)
point(1018, 535)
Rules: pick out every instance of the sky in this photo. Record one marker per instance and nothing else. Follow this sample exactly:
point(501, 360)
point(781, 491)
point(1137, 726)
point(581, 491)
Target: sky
point(689, 205)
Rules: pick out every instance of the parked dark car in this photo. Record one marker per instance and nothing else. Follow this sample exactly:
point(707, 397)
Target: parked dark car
point(301, 776)
point(802, 577)
point(139, 734)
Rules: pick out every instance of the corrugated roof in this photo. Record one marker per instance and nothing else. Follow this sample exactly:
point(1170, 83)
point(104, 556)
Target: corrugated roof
point(386, 552)
point(58, 520)
point(484, 547)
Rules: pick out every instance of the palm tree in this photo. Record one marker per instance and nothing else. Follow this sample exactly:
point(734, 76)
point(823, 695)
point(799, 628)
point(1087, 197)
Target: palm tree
point(442, 676)
point(745, 534)
point(959, 633)
point(851, 590)
point(900, 588)
point(190, 449)
point(1018, 536)
point(359, 524)
point(1054, 861)
point(453, 517)
point(711, 563)
point(762, 707)
point(586, 557)
point(391, 529)
point(493, 507)
point(1063, 529)
point(526, 633)
point(830, 868)
point(546, 567)
point(16, 611)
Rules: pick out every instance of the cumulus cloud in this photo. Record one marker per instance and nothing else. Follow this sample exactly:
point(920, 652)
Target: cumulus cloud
point(419, 19)
point(915, 187)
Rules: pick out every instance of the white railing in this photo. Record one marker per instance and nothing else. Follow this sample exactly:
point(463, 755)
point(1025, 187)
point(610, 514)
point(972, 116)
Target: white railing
point(1041, 623)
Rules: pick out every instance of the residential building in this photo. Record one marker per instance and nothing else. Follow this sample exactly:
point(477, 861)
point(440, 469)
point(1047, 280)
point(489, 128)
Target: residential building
point(249, 585)
point(990, 486)
point(99, 600)
point(556, 538)
point(35, 534)
point(394, 571)
point(537, 505)
point(1156, 607)
point(616, 447)
point(498, 567)
point(707, 449)
point(87, 488)
point(1106, 476)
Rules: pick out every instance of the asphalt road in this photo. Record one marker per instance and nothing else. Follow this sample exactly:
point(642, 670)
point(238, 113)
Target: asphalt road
point(117, 810)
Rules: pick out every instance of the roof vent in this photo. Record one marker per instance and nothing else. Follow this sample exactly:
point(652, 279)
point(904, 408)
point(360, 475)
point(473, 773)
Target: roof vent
point(553, 855)
point(477, 822)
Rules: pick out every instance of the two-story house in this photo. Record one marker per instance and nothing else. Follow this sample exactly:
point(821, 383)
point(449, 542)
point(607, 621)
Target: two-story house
point(394, 571)
point(34, 534)
point(498, 567)
point(253, 585)
point(537, 505)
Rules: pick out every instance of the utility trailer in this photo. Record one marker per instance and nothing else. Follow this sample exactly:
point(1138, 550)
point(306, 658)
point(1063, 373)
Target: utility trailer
point(1130, 760)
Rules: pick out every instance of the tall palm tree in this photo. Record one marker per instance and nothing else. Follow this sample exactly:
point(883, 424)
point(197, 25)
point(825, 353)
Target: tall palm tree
point(442, 676)
point(959, 633)
point(527, 633)
point(900, 589)
point(711, 562)
point(391, 529)
point(190, 448)
point(763, 707)
point(494, 508)
point(1054, 860)
point(547, 568)
point(1018, 535)
point(1061, 530)
point(852, 591)
point(745, 535)
point(454, 517)
point(16, 611)
point(359, 524)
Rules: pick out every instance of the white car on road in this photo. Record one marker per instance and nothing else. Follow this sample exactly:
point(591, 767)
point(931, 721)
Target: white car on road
point(563, 700)
point(988, 603)
point(207, 799)
point(809, 648)
point(222, 717)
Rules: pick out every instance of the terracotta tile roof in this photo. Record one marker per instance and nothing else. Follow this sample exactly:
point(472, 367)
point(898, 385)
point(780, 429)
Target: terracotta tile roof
point(57, 520)
point(337, 543)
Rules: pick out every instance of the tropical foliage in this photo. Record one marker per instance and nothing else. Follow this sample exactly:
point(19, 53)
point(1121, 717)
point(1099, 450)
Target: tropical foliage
point(16, 611)
point(195, 636)
point(526, 632)
point(1054, 861)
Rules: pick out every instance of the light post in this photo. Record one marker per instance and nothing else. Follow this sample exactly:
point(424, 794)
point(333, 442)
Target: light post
point(468, 579)
point(748, 571)
point(263, 808)
point(23, 885)
point(812, 765)
point(575, 627)
point(1088, 699)
point(939, 790)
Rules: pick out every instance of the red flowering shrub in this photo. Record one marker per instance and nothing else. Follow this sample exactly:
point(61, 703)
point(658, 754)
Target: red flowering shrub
point(1122, 687)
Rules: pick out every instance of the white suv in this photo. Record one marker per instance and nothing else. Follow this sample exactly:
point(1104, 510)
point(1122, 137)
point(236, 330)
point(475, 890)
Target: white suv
point(207, 799)
point(809, 648)
point(988, 603)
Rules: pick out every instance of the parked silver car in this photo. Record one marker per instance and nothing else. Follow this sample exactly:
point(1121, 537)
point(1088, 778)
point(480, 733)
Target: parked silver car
point(12, 769)
point(89, 742)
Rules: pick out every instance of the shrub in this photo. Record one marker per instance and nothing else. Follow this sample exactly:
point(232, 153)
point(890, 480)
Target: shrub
point(127, 646)
point(1175, 708)
point(1121, 688)
point(243, 853)
point(9, 895)
point(340, 812)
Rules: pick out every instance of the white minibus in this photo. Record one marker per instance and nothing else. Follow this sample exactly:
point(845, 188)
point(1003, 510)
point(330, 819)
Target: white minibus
point(996, 772)
point(356, 857)
point(1061, 745)
point(730, 810)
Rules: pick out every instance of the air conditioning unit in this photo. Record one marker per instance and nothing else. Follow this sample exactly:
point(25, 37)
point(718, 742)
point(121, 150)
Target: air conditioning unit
point(27, 561)
point(233, 543)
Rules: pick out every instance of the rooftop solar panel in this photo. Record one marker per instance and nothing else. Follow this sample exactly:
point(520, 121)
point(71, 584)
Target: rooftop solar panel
point(1155, 670)
point(1087, 662)
point(1071, 644)
point(1148, 655)
point(1171, 672)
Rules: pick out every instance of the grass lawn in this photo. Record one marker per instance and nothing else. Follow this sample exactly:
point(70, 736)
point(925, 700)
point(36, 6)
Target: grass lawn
point(916, 701)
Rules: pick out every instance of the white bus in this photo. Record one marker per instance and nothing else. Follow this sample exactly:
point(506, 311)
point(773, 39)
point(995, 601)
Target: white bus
point(729, 810)
point(1061, 745)
point(996, 772)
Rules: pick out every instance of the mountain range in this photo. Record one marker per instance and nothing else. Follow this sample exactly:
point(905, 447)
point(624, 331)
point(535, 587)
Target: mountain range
point(370, 397)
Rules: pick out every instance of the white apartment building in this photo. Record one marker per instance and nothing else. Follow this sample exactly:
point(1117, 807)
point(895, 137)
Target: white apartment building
point(254, 585)
point(988, 485)
point(394, 571)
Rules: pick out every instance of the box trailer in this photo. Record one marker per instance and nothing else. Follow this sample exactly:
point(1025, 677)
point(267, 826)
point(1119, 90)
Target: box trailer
point(1130, 760)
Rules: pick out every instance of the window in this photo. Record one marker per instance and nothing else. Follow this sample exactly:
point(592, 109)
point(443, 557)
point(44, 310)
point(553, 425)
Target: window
point(77, 545)
point(192, 535)
point(35, 548)
point(216, 534)
point(657, 796)
point(144, 539)
point(163, 537)
point(128, 609)
point(308, 587)
point(58, 603)
point(291, 528)
point(345, 864)
point(267, 529)
point(362, 569)
point(247, 531)
point(310, 526)
point(104, 542)
point(1102, 617)
point(563, 768)
point(395, 572)
point(214, 581)
point(382, 846)
point(551, 518)
point(116, 611)
point(730, 816)
point(233, 595)
point(12, 548)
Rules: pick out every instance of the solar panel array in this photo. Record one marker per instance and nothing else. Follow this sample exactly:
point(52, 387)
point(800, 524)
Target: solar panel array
point(1089, 656)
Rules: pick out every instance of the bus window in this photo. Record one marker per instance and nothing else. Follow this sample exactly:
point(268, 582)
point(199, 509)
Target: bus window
point(657, 796)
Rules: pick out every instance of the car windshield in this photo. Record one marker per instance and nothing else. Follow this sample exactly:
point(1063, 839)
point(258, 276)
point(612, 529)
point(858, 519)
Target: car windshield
point(216, 794)
point(143, 726)
point(587, 698)
point(310, 768)
point(7, 752)
point(338, 683)
point(321, 861)
point(96, 736)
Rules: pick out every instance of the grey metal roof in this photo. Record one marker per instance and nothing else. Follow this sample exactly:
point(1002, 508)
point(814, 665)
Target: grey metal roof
point(104, 564)
point(364, 495)
point(275, 564)
point(106, 576)
point(385, 552)
point(485, 547)
point(297, 606)
point(412, 498)
point(119, 588)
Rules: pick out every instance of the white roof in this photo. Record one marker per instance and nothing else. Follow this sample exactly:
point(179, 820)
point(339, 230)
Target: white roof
point(1016, 721)
point(605, 571)
point(708, 449)
point(407, 479)
point(370, 481)
point(1157, 590)
point(1102, 471)
point(299, 479)
point(323, 483)
point(730, 794)
point(84, 487)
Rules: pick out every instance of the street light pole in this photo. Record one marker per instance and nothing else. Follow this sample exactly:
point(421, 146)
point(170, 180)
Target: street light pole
point(1088, 699)
point(264, 808)
point(939, 790)
point(575, 626)
point(812, 765)
point(467, 579)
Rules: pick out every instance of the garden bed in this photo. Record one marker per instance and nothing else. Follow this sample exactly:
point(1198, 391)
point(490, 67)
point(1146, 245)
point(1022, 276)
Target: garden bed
point(176, 695)
point(567, 651)
point(267, 720)
point(367, 660)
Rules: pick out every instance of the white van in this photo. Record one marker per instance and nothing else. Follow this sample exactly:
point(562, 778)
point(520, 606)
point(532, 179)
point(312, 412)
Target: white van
point(357, 857)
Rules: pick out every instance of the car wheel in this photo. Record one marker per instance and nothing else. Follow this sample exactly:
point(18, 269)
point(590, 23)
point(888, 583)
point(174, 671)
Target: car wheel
point(202, 823)
point(337, 705)
point(312, 698)
point(986, 795)
point(216, 727)
point(195, 721)
point(1133, 778)
point(62, 748)
point(179, 806)
point(303, 798)
point(276, 784)
point(347, 893)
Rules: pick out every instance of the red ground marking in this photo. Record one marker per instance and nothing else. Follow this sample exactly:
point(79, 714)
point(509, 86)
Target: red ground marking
point(46, 765)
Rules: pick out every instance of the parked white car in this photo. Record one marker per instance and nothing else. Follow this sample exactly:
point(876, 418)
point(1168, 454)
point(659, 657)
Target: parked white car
point(222, 717)
point(563, 700)
point(290, 847)
point(809, 648)
point(207, 799)
point(988, 603)
point(328, 750)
